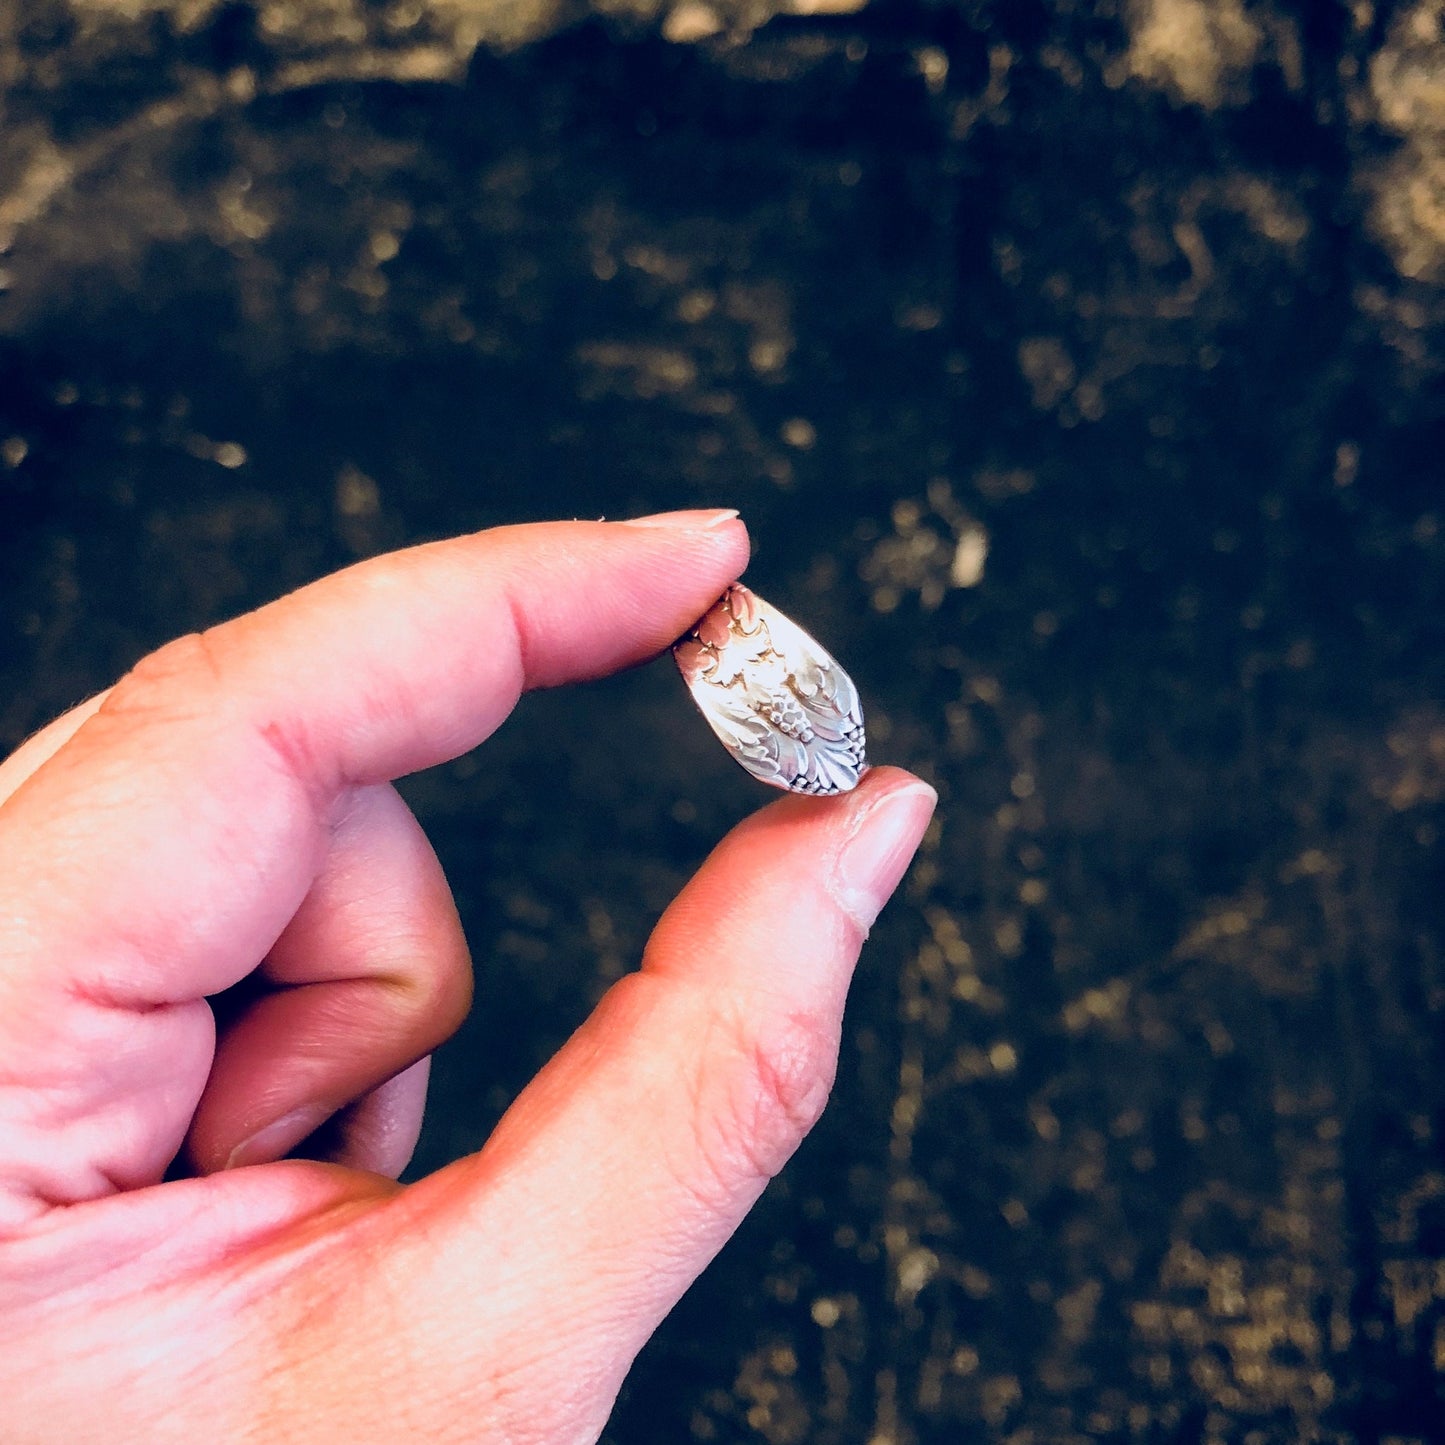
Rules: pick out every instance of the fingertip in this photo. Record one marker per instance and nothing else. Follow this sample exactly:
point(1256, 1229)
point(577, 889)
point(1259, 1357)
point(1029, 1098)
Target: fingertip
point(697, 519)
point(802, 878)
point(884, 834)
point(713, 528)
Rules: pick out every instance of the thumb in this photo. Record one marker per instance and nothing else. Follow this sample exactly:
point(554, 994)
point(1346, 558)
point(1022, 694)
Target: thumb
point(622, 1169)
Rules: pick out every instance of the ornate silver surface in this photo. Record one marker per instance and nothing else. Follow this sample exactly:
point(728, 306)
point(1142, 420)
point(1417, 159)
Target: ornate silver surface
point(776, 699)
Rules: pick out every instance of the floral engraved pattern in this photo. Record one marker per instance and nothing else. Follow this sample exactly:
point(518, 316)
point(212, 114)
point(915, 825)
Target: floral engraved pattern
point(777, 701)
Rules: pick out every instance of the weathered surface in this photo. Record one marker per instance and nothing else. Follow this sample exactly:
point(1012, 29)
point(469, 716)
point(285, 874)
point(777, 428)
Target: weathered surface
point(1077, 369)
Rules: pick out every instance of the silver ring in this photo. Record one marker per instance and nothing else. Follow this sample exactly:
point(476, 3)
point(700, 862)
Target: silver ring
point(777, 700)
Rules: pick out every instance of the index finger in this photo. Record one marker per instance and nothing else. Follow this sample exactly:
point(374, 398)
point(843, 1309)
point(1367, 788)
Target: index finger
point(167, 843)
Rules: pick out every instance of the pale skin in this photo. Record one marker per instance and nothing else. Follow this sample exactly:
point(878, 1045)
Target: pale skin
point(226, 808)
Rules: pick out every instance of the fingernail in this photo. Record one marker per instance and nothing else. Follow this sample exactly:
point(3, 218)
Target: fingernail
point(697, 520)
point(874, 858)
point(275, 1140)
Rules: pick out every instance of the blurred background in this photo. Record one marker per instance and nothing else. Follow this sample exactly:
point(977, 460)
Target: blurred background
point(1078, 370)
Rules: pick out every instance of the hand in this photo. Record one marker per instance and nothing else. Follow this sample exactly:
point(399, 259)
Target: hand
point(226, 810)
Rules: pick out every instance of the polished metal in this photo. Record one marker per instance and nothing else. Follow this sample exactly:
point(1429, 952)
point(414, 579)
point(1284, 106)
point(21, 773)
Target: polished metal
point(777, 700)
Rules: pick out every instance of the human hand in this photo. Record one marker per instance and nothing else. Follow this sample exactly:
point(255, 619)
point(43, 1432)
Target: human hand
point(226, 810)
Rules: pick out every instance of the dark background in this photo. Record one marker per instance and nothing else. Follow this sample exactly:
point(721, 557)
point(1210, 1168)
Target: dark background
point(1078, 370)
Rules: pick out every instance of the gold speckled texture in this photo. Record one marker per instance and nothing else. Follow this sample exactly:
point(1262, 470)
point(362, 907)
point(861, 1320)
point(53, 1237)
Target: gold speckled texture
point(1078, 371)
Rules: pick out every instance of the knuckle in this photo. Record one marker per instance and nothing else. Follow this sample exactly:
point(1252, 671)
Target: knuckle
point(191, 682)
point(419, 994)
point(777, 1075)
point(181, 679)
point(445, 991)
